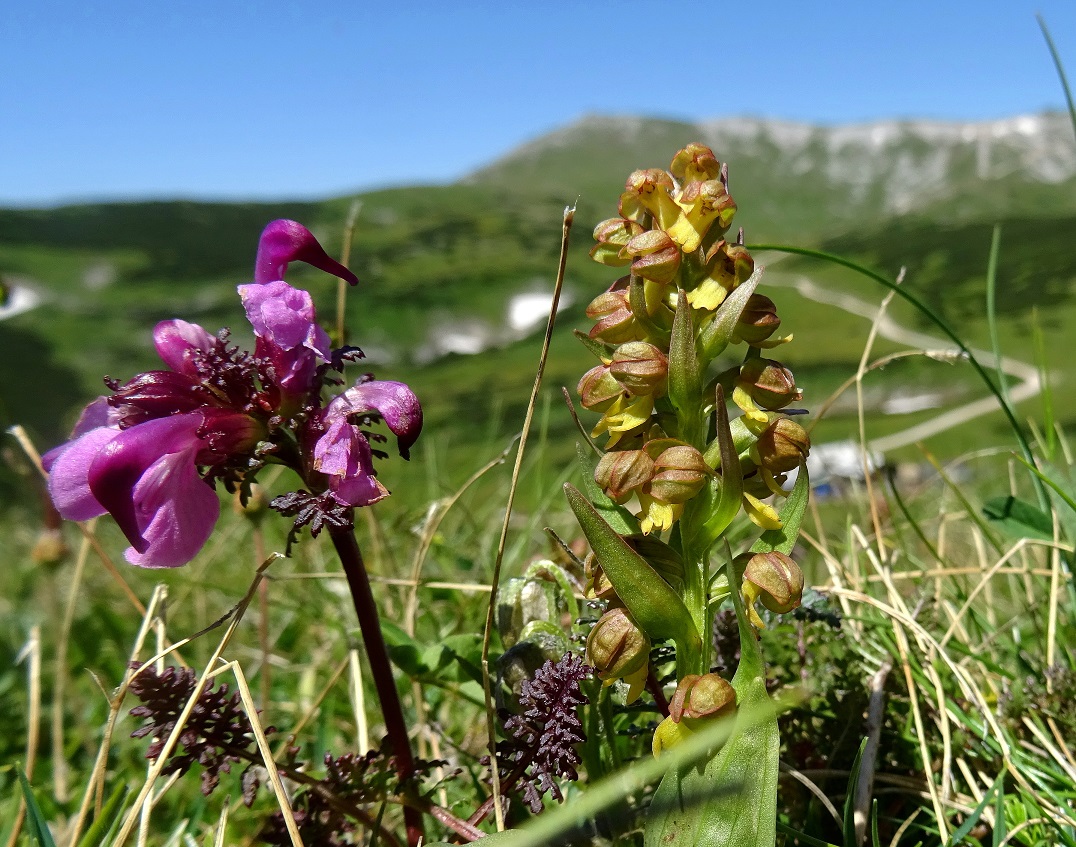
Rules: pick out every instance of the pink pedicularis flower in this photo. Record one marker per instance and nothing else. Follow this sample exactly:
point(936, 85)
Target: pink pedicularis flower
point(150, 453)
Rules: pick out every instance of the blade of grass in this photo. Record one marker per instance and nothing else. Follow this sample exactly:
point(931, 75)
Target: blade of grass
point(938, 321)
point(1060, 69)
point(991, 310)
point(38, 828)
point(566, 228)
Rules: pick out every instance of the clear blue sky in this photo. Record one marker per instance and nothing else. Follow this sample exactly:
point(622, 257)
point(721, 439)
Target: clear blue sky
point(270, 99)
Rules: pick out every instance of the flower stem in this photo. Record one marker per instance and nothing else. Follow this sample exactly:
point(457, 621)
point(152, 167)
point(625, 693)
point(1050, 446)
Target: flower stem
point(347, 548)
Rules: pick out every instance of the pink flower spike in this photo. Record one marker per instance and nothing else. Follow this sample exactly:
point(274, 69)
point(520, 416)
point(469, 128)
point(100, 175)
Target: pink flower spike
point(147, 479)
point(285, 241)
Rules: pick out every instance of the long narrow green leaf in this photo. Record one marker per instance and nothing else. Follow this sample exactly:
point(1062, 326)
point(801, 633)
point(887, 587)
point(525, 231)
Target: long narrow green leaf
point(991, 311)
point(35, 820)
point(1060, 70)
point(784, 539)
point(727, 490)
point(849, 824)
point(970, 822)
point(656, 607)
point(104, 822)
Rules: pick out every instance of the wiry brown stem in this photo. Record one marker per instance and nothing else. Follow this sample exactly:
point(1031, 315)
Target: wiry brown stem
point(347, 548)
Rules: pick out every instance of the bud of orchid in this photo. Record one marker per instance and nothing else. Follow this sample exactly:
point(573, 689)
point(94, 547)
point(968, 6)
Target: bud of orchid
point(621, 473)
point(598, 389)
point(679, 474)
point(615, 320)
point(650, 192)
point(640, 367)
point(705, 205)
point(695, 163)
point(758, 321)
point(598, 584)
point(727, 265)
point(611, 236)
point(774, 579)
point(616, 647)
point(655, 256)
point(768, 383)
point(783, 446)
point(701, 696)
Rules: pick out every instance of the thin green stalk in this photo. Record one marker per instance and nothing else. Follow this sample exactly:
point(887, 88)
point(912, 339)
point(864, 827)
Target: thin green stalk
point(1060, 69)
point(938, 321)
point(992, 312)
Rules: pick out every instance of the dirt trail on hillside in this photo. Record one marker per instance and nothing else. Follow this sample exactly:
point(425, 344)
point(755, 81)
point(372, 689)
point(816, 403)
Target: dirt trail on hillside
point(1029, 384)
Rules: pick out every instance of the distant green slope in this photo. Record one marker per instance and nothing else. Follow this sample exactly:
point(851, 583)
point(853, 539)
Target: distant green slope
point(447, 259)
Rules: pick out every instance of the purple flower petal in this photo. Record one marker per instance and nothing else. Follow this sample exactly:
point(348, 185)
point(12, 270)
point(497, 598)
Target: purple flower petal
point(288, 333)
point(394, 401)
point(286, 241)
point(176, 512)
point(68, 466)
point(343, 454)
point(147, 479)
point(176, 340)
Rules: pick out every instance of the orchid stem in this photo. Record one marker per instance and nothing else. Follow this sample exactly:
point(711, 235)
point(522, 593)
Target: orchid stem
point(347, 548)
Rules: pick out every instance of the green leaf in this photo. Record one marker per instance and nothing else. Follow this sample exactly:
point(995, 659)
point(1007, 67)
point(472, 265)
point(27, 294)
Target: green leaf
point(716, 337)
point(850, 796)
point(616, 516)
point(110, 815)
point(657, 608)
point(969, 824)
point(732, 800)
point(598, 348)
point(685, 380)
point(1018, 518)
point(405, 652)
point(784, 539)
point(39, 829)
point(726, 489)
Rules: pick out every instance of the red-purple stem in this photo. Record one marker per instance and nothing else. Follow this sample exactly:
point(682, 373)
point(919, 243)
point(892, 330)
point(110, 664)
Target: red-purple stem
point(347, 548)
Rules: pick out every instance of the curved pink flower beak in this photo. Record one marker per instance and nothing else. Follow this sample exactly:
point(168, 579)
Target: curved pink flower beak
point(285, 241)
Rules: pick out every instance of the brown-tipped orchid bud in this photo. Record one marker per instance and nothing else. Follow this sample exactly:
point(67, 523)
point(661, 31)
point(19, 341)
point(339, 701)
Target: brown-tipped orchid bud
point(740, 261)
point(598, 585)
point(702, 696)
point(655, 256)
point(679, 474)
point(641, 368)
point(758, 321)
point(649, 192)
point(774, 579)
point(612, 235)
point(783, 446)
point(615, 320)
point(695, 163)
point(768, 383)
point(616, 647)
point(621, 473)
point(598, 389)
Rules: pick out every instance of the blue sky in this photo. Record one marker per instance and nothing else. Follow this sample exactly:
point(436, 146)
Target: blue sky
point(281, 99)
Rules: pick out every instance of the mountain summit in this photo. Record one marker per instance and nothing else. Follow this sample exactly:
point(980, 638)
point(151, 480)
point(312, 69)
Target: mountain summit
point(796, 179)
